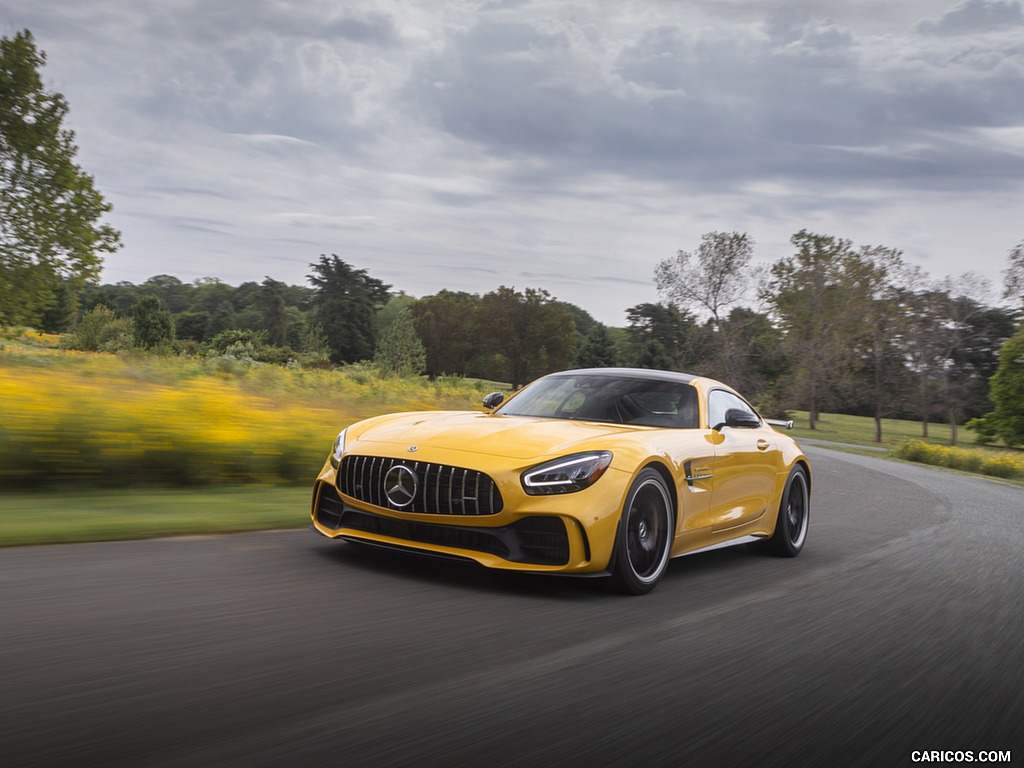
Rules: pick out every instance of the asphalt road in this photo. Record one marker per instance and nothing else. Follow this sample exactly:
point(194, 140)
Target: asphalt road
point(899, 628)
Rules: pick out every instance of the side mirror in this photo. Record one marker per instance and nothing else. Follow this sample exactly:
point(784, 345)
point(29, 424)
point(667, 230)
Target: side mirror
point(737, 417)
point(493, 400)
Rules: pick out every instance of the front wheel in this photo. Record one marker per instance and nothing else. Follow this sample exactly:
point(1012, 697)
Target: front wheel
point(794, 517)
point(644, 539)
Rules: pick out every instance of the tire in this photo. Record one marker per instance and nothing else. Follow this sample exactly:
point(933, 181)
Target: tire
point(794, 517)
point(644, 539)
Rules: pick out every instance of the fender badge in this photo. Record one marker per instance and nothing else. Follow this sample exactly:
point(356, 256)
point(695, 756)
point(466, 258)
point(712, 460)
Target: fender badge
point(413, 448)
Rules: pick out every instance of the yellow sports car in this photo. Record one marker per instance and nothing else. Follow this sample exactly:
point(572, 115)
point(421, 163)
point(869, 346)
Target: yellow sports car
point(598, 472)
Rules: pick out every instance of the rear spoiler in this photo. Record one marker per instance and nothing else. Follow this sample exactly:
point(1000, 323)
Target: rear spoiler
point(779, 423)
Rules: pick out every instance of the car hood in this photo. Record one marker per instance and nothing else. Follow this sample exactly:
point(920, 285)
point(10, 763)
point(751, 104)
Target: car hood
point(515, 437)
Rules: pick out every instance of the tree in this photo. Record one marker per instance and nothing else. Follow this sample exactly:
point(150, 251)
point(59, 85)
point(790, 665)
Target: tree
point(345, 305)
point(1006, 421)
point(877, 289)
point(400, 351)
point(713, 278)
point(447, 324)
point(708, 282)
point(529, 329)
point(59, 314)
point(172, 292)
point(598, 349)
point(1013, 276)
point(396, 303)
point(811, 294)
point(662, 336)
point(152, 323)
point(758, 360)
point(952, 345)
point(49, 207)
point(192, 325)
point(271, 304)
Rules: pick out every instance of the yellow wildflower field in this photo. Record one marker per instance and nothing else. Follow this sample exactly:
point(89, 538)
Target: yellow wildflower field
point(109, 420)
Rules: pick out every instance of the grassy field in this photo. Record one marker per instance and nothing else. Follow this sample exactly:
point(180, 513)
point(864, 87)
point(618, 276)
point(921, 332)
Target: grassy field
point(48, 517)
point(860, 430)
point(903, 440)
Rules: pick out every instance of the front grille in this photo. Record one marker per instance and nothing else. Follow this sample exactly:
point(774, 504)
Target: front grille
point(535, 540)
point(440, 489)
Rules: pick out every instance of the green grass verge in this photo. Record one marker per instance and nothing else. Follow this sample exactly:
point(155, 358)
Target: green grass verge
point(48, 517)
point(902, 440)
point(860, 430)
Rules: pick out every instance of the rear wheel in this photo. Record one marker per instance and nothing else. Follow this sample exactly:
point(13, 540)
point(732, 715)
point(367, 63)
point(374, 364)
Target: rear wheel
point(794, 517)
point(644, 539)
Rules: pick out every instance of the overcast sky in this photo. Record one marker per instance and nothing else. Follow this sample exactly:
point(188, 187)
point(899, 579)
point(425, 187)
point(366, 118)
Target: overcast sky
point(561, 145)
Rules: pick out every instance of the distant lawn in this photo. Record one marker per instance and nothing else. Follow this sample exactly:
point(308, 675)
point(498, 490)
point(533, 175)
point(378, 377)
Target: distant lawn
point(860, 430)
point(903, 440)
point(48, 517)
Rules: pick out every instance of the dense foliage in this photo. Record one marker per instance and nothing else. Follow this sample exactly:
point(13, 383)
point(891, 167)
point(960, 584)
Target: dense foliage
point(50, 235)
point(1006, 421)
point(345, 304)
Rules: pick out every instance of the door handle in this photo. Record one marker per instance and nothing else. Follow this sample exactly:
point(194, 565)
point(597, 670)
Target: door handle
point(762, 445)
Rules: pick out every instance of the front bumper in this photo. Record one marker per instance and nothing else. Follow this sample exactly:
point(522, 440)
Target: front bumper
point(571, 534)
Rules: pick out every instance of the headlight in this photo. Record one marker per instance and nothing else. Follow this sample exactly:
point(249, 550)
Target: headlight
point(566, 475)
point(338, 449)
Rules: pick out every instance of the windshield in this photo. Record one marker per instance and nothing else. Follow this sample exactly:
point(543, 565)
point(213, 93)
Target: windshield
point(614, 399)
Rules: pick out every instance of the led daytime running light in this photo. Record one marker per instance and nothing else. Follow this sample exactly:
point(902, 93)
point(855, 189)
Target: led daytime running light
point(338, 449)
point(566, 475)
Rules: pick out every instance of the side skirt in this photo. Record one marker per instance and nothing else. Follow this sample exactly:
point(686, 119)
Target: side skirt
point(723, 545)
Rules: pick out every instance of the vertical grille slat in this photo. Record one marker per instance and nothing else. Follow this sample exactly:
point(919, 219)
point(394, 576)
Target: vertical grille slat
point(440, 503)
point(375, 482)
point(428, 494)
point(442, 490)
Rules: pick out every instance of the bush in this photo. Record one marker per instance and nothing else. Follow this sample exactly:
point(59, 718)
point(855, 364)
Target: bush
point(400, 351)
point(1006, 465)
point(1006, 391)
point(100, 330)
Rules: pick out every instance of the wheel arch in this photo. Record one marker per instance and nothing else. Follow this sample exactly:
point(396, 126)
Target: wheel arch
point(802, 463)
point(673, 493)
point(666, 474)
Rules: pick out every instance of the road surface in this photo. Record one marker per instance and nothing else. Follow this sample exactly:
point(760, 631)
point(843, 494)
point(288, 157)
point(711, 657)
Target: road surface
point(900, 628)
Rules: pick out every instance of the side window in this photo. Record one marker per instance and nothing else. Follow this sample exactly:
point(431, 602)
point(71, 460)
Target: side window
point(720, 401)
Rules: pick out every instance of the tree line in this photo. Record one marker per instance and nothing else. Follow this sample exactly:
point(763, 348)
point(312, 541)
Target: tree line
point(830, 327)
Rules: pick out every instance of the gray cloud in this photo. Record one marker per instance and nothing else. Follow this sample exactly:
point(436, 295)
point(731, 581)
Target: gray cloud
point(506, 140)
point(812, 102)
point(976, 16)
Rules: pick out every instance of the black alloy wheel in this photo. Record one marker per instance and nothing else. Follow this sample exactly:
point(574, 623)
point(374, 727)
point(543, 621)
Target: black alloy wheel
point(644, 540)
point(794, 517)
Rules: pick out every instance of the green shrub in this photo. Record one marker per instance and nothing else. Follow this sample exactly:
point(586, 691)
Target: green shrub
point(100, 330)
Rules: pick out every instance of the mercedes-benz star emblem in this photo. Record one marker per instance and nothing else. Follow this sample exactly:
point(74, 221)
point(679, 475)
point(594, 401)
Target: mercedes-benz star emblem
point(400, 484)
